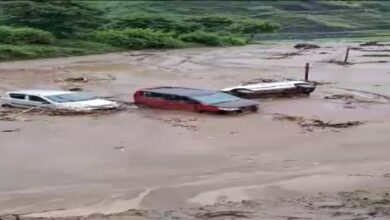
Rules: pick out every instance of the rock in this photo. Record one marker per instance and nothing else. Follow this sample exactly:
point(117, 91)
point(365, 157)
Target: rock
point(11, 130)
point(371, 43)
point(75, 89)
point(306, 46)
point(76, 79)
point(331, 205)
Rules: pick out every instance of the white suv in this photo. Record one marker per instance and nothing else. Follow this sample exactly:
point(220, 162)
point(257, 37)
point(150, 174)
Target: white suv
point(65, 100)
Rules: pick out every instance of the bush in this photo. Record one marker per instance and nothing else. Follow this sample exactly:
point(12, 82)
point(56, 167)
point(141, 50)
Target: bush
point(63, 18)
point(155, 22)
point(253, 27)
point(202, 38)
point(11, 35)
point(67, 48)
point(213, 21)
point(137, 38)
point(234, 41)
point(211, 39)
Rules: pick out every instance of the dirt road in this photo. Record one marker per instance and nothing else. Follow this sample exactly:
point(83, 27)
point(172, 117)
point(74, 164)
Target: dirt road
point(54, 166)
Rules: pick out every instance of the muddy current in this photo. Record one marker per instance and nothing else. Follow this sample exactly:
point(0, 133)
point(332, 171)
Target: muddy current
point(156, 164)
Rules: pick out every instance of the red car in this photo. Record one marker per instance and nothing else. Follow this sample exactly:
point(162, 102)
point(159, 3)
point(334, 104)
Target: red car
point(198, 100)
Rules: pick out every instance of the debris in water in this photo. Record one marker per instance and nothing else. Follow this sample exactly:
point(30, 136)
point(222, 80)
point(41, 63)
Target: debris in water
point(333, 205)
point(339, 62)
point(76, 79)
point(190, 123)
point(373, 43)
point(311, 124)
point(75, 89)
point(376, 55)
point(306, 46)
point(11, 130)
point(320, 83)
point(224, 214)
point(339, 96)
point(286, 55)
point(121, 148)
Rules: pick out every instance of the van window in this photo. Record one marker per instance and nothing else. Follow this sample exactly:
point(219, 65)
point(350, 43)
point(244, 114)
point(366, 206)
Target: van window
point(17, 96)
point(37, 99)
point(154, 95)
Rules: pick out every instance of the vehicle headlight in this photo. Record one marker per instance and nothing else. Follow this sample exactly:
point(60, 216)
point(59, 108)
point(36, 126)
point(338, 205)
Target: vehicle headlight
point(229, 109)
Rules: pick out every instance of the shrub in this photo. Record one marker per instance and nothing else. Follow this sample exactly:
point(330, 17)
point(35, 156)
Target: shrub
point(253, 27)
point(67, 48)
point(202, 38)
point(63, 18)
point(155, 22)
point(11, 35)
point(213, 21)
point(234, 41)
point(211, 39)
point(137, 38)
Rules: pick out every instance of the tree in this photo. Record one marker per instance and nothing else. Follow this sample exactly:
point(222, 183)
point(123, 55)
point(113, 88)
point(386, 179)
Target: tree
point(62, 17)
point(253, 27)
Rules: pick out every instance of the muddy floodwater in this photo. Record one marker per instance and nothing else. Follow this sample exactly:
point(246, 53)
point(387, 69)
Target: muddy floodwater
point(166, 164)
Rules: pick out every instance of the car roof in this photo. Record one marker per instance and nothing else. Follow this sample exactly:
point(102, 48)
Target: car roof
point(41, 92)
point(183, 91)
point(280, 84)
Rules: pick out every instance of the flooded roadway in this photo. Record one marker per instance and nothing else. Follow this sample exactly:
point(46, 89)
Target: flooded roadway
point(154, 159)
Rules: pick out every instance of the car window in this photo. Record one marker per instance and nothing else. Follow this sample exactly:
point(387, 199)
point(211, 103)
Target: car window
point(155, 95)
point(173, 98)
point(34, 98)
point(188, 100)
point(215, 98)
point(17, 96)
point(71, 97)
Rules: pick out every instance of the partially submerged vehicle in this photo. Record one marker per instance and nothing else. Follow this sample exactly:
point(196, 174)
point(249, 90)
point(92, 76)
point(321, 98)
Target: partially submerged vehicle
point(190, 99)
point(258, 90)
point(56, 100)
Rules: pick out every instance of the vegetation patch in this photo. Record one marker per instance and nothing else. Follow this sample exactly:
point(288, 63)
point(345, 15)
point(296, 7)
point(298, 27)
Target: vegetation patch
point(82, 27)
point(212, 39)
point(137, 38)
point(13, 35)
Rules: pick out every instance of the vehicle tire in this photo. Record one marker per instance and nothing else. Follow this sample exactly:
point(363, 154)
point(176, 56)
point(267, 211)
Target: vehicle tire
point(6, 106)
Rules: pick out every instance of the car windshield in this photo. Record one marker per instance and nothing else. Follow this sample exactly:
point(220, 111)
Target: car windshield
point(215, 98)
point(71, 97)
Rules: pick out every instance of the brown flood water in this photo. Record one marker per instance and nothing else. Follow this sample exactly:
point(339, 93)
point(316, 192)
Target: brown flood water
point(154, 159)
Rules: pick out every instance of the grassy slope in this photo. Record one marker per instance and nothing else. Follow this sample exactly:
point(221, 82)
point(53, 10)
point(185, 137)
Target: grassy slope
point(61, 48)
point(299, 19)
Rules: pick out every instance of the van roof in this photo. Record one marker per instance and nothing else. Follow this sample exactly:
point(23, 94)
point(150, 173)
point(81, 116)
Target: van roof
point(183, 91)
point(40, 92)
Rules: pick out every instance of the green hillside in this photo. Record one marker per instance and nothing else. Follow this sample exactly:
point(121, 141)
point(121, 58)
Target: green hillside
point(298, 19)
point(44, 28)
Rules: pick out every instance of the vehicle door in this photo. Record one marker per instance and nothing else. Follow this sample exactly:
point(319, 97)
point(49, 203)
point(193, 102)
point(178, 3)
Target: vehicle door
point(188, 104)
point(180, 103)
point(155, 100)
point(18, 100)
point(36, 101)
